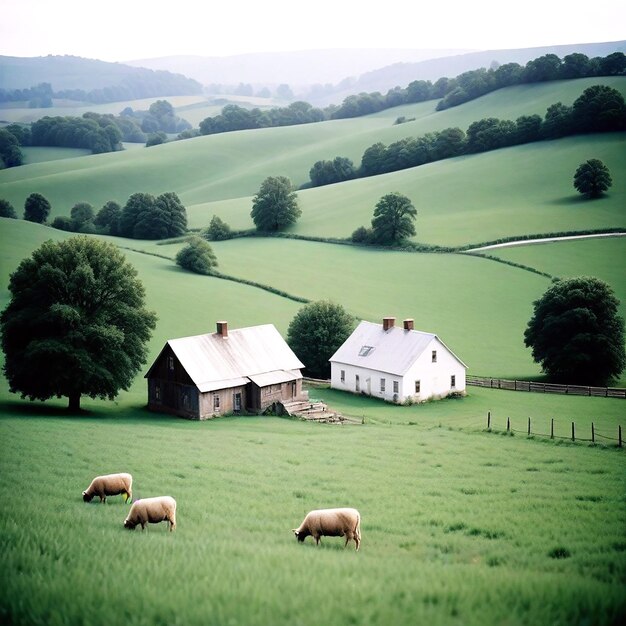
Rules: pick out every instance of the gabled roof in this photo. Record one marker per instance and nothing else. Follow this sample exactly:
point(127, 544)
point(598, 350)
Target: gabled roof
point(393, 351)
point(216, 362)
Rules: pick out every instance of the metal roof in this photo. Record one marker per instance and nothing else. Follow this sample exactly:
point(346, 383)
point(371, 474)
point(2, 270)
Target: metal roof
point(393, 351)
point(216, 362)
point(274, 378)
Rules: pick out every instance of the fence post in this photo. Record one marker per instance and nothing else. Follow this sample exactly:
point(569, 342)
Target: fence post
point(593, 434)
point(619, 436)
point(488, 420)
point(508, 424)
point(552, 428)
point(529, 426)
point(573, 433)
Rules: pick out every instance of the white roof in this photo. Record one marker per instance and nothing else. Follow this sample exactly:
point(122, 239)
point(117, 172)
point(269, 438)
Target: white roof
point(393, 351)
point(216, 362)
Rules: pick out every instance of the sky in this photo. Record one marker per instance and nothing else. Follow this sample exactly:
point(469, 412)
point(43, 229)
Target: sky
point(123, 30)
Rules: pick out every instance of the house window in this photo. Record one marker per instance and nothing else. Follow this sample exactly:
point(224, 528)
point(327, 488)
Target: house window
point(157, 393)
point(395, 386)
point(216, 403)
point(343, 376)
point(434, 357)
point(453, 381)
point(170, 363)
point(382, 385)
point(357, 383)
point(185, 400)
point(366, 350)
point(417, 386)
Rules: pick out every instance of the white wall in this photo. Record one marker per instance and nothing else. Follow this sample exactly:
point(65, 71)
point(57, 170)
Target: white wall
point(435, 378)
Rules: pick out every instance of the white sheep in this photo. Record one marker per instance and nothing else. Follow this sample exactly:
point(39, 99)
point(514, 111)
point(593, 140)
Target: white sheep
point(331, 523)
point(153, 511)
point(109, 485)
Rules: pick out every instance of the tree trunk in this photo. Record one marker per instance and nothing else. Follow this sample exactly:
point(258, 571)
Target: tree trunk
point(74, 404)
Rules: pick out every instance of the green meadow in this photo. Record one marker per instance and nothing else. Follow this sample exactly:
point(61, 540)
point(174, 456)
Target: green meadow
point(461, 525)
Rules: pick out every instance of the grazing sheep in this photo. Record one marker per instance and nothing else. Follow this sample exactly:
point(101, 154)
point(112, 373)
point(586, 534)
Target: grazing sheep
point(331, 523)
point(153, 511)
point(109, 485)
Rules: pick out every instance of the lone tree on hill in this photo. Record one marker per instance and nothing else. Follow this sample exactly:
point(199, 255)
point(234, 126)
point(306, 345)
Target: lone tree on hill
point(36, 208)
point(592, 178)
point(197, 256)
point(76, 323)
point(276, 205)
point(7, 209)
point(394, 218)
point(315, 334)
point(576, 333)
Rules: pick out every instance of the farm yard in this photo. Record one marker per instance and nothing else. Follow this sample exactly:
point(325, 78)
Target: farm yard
point(461, 524)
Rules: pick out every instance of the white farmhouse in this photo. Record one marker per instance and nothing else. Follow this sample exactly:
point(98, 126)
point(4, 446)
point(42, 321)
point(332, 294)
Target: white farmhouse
point(396, 363)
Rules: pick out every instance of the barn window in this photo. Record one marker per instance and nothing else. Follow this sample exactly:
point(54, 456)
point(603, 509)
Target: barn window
point(366, 350)
point(157, 393)
point(417, 386)
point(382, 385)
point(434, 357)
point(170, 363)
point(185, 400)
point(216, 402)
point(395, 386)
point(453, 381)
point(343, 376)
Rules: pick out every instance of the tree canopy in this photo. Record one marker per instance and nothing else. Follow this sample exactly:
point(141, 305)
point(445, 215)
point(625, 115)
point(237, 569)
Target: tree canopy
point(197, 256)
point(576, 333)
point(394, 218)
point(76, 322)
point(276, 205)
point(7, 209)
point(36, 208)
point(315, 334)
point(217, 230)
point(147, 217)
point(592, 178)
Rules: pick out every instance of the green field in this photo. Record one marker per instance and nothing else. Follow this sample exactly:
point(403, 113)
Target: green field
point(461, 526)
point(457, 527)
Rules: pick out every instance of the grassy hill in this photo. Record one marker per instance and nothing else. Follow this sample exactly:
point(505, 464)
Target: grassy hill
point(233, 165)
point(460, 526)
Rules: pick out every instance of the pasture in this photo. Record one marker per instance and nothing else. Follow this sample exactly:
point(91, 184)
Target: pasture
point(459, 527)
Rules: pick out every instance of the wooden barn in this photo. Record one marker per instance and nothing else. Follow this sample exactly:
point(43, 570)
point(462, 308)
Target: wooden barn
point(245, 369)
point(396, 363)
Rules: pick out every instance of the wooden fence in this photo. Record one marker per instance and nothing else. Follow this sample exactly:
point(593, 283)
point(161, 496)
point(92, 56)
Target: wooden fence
point(526, 385)
point(596, 436)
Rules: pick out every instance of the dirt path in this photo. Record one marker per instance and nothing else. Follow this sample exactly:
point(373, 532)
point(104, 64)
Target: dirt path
point(524, 242)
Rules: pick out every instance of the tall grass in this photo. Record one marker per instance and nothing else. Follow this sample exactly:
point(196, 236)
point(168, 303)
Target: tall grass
point(457, 528)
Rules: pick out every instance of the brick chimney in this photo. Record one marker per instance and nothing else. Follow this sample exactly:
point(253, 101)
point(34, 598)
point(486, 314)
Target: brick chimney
point(222, 329)
point(408, 324)
point(388, 322)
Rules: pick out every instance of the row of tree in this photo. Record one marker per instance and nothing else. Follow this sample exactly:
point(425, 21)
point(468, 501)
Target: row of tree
point(93, 131)
point(142, 83)
point(144, 216)
point(475, 83)
point(451, 91)
point(598, 109)
point(234, 117)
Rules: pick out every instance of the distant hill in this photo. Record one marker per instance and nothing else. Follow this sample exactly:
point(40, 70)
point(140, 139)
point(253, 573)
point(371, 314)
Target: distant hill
point(401, 74)
point(305, 67)
point(77, 73)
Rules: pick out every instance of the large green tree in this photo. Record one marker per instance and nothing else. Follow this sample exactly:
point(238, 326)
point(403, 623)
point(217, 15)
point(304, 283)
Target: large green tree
point(394, 218)
point(76, 323)
point(576, 333)
point(276, 205)
point(315, 334)
point(108, 217)
point(7, 209)
point(592, 178)
point(36, 208)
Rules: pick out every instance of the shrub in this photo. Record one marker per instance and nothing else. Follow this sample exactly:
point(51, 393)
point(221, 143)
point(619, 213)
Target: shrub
point(197, 256)
point(7, 209)
point(218, 230)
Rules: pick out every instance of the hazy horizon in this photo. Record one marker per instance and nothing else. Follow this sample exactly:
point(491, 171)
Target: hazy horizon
point(120, 31)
